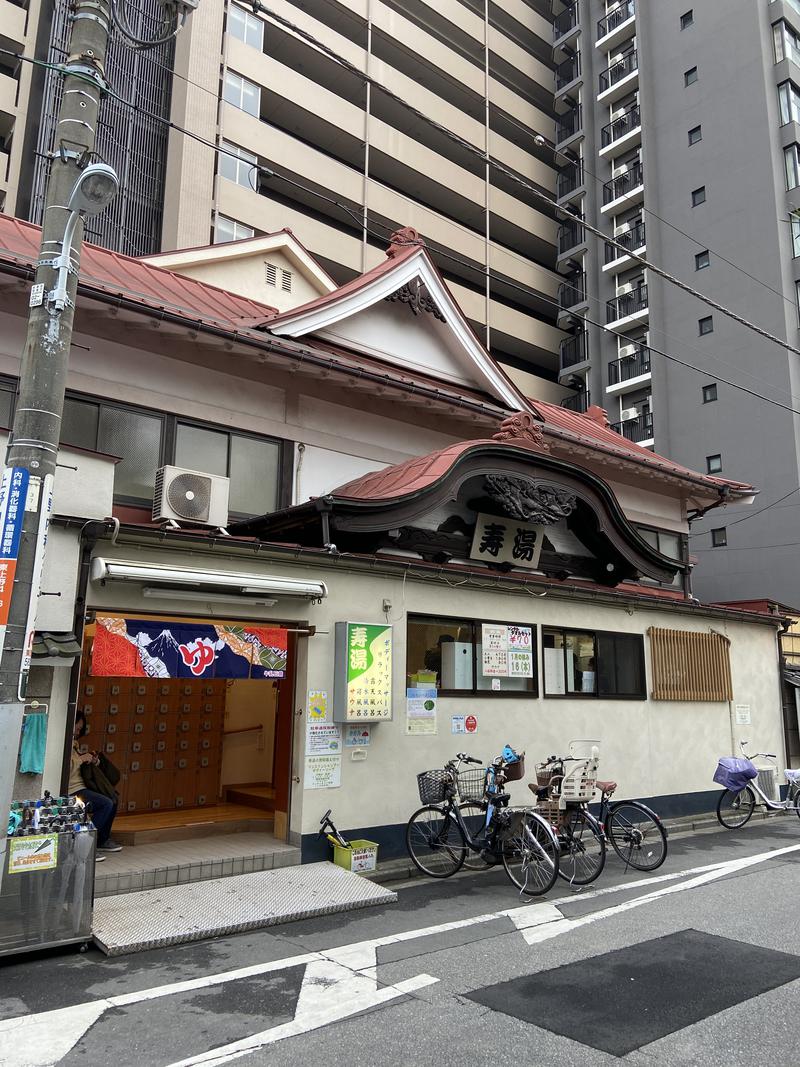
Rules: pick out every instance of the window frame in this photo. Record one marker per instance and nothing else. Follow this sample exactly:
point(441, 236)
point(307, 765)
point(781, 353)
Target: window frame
point(687, 19)
point(710, 399)
point(248, 19)
point(234, 74)
point(702, 260)
point(519, 694)
point(719, 541)
point(225, 219)
point(244, 160)
point(596, 695)
point(791, 165)
point(695, 135)
point(696, 193)
point(705, 325)
point(690, 76)
point(711, 467)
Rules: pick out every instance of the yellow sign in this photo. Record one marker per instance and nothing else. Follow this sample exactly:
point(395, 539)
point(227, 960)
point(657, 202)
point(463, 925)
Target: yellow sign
point(38, 853)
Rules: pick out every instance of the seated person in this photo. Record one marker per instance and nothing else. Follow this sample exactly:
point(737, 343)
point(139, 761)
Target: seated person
point(103, 808)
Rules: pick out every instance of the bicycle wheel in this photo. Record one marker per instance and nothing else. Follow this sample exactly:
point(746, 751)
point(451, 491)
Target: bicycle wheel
point(794, 798)
point(637, 837)
point(474, 815)
point(530, 854)
point(734, 809)
point(435, 841)
point(583, 847)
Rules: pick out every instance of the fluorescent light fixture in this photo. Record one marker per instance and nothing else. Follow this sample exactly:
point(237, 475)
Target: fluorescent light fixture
point(209, 598)
point(151, 574)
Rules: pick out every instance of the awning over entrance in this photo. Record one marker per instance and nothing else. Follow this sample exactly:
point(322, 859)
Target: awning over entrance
point(251, 585)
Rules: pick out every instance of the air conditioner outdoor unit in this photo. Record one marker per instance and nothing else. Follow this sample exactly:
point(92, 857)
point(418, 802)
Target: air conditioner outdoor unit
point(768, 783)
point(190, 497)
point(627, 350)
point(628, 413)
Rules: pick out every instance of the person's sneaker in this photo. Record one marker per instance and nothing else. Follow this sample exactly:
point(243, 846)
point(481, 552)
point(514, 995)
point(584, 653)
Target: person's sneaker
point(98, 859)
point(109, 846)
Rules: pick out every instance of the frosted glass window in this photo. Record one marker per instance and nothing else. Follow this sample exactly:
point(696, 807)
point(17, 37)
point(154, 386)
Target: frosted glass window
point(254, 473)
point(201, 450)
point(136, 439)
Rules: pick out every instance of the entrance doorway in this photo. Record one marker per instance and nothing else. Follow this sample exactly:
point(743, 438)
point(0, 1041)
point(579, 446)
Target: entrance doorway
point(196, 756)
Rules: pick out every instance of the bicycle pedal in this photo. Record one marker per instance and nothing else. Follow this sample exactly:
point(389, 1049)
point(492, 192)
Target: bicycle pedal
point(490, 857)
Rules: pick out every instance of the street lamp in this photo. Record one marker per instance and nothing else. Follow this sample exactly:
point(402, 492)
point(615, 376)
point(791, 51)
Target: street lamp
point(94, 190)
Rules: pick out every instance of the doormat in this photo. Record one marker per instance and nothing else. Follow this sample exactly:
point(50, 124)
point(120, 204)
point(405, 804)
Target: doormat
point(622, 1000)
point(177, 914)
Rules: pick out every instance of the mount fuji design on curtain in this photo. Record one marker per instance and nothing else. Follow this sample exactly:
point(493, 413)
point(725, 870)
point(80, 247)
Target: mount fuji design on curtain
point(132, 648)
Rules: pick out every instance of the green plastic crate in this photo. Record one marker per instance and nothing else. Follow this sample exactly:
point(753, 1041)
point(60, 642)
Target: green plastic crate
point(361, 856)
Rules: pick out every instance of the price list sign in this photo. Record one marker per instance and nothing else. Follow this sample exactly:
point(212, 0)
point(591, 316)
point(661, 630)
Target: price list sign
point(363, 678)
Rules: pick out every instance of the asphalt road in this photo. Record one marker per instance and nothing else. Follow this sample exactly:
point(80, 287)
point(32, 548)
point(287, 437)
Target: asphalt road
point(698, 963)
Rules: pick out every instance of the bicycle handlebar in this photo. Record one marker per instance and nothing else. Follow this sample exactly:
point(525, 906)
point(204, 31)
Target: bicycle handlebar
point(766, 755)
point(462, 757)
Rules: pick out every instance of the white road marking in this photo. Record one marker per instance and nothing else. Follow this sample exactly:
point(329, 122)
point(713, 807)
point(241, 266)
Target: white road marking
point(42, 1039)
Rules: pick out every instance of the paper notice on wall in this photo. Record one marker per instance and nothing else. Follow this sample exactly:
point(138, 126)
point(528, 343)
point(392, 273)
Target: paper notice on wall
point(421, 711)
point(356, 735)
point(317, 709)
point(323, 738)
point(742, 714)
point(506, 651)
point(520, 638)
point(323, 772)
point(520, 664)
point(457, 724)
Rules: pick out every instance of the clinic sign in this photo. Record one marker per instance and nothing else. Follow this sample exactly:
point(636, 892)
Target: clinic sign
point(13, 496)
point(363, 674)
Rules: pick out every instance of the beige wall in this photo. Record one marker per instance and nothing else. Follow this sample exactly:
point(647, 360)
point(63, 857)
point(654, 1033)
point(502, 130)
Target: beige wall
point(247, 757)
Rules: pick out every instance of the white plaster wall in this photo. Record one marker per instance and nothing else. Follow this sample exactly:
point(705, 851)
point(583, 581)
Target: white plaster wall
point(323, 470)
point(56, 729)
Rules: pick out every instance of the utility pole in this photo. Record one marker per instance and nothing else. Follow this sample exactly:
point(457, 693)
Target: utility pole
point(77, 186)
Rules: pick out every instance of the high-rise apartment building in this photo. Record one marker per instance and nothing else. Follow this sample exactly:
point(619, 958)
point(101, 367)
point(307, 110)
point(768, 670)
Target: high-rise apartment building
point(678, 134)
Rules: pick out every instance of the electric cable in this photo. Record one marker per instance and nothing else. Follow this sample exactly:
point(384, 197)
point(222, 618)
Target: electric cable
point(175, 14)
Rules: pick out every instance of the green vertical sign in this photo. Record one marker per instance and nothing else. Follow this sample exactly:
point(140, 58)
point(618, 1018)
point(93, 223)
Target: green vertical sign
point(363, 690)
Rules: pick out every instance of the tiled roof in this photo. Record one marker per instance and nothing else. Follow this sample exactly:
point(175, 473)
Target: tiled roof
point(136, 279)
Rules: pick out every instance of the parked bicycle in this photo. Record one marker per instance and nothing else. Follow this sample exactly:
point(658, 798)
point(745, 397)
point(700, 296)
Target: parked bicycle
point(441, 833)
point(739, 775)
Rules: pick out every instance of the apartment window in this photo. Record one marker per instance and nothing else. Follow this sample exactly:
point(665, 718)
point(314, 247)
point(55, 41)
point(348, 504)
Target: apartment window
point(687, 19)
point(714, 464)
point(246, 27)
point(663, 541)
point(690, 76)
point(719, 537)
point(789, 102)
point(226, 229)
point(705, 325)
point(791, 162)
point(689, 665)
point(458, 656)
point(797, 298)
point(702, 260)
point(242, 93)
point(787, 43)
point(592, 664)
point(710, 393)
point(794, 220)
point(695, 134)
point(698, 196)
point(251, 463)
point(238, 166)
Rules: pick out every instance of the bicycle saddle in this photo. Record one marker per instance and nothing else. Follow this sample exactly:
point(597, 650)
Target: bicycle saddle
point(606, 787)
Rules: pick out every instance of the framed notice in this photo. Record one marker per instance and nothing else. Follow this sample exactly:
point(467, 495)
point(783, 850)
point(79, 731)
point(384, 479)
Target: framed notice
point(362, 690)
point(506, 651)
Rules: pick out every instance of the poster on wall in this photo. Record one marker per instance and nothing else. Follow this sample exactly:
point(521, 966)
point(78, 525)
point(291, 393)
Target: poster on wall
point(13, 492)
point(421, 711)
point(506, 651)
point(323, 738)
point(356, 736)
point(323, 772)
point(130, 648)
point(363, 673)
point(317, 705)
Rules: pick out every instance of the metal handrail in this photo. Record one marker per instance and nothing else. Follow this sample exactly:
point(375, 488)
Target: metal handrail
point(621, 13)
point(627, 367)
point(568, 124)
point(568, 71)
point(572, 292)
point(577, 402)
point(565, 22)
point(569, 179)
point(619, 70)
point(636, 430)
point(623, 183)
point(622, 124)
point(630, 239)
point(569, 235)
point(572, 350)
point(627, 304)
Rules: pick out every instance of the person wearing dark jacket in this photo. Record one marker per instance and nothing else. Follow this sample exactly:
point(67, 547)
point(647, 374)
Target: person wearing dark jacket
point(103, 798)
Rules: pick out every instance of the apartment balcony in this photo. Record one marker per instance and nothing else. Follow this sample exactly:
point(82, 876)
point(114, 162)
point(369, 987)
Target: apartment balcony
point(624, 190)
point(572, 351)
point(572, 293)
point(617, 26)
point(571, 237)
point(622, 134)
point(569, 125)
point(639, 429)
point(568, 73)
point(566, 25)
point(629, 371)
point(570, 181)
point(628, 309)
point(620, 78)
point(633, 240)
point(579, 402)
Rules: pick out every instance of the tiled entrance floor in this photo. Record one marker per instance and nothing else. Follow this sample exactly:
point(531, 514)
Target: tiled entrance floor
point(168, 863)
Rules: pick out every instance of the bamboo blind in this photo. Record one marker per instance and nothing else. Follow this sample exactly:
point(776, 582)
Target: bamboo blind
point(690, 666)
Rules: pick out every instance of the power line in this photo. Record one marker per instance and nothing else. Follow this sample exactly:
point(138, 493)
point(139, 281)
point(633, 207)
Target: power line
point(750, 548)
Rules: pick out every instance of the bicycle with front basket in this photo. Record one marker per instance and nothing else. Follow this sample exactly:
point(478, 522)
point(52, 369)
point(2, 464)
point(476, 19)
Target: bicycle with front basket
point(441, 833)
point(740, 778)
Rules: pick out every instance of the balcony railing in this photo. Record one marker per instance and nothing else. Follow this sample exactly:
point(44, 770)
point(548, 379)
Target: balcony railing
point(569, 124)
point(638, 429)
point(623, 183)
point(627, 304)
point(569, 179)
point(572, 292)
point(577, 402)
point(569, 235)
point(573, 350)
point(568, 71)
point(565, 22)
point(614, 131)
point(633, 366)
point(621, 13)
point(630, 239)
point(619, 70)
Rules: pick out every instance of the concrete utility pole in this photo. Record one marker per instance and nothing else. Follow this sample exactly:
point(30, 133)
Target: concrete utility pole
point(76, 187)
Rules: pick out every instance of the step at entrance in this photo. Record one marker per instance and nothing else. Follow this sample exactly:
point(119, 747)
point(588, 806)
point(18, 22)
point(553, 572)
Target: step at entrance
point(184, 824)
point(179, 914)
point(258, 795)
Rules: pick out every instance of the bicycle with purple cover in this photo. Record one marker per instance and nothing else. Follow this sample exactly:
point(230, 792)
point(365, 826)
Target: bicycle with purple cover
point(739, 776)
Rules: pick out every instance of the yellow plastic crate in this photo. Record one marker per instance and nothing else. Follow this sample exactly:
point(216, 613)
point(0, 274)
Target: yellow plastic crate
point(361, 856)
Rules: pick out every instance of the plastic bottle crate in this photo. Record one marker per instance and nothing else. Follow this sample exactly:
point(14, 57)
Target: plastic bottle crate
point(359, 857)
